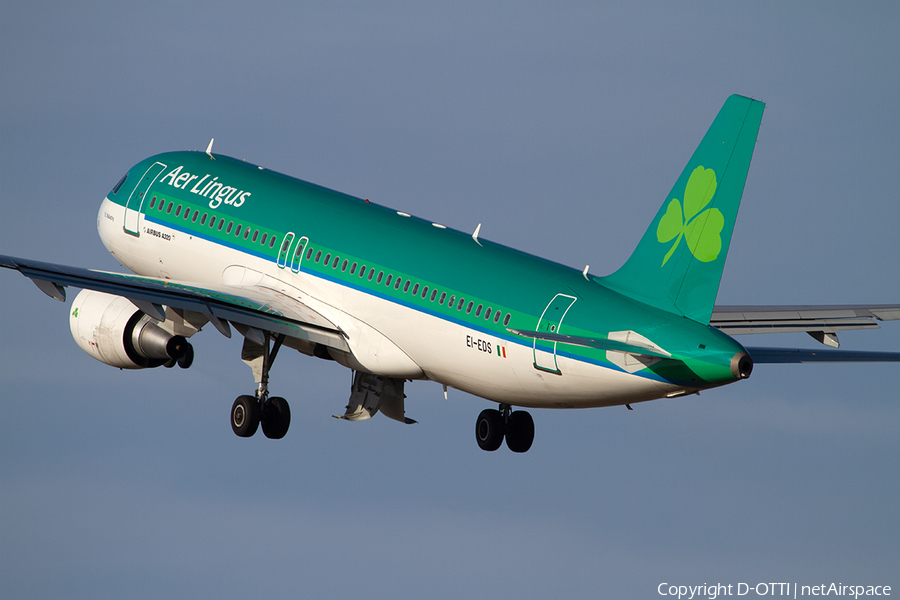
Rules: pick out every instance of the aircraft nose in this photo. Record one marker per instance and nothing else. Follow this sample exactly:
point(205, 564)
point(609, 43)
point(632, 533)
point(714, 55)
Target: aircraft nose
point(741, 365)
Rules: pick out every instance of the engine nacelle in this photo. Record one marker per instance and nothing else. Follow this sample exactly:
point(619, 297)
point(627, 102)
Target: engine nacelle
point(114, 331)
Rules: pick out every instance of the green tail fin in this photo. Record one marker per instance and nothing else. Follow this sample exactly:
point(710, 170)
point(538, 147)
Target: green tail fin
point(677, 266)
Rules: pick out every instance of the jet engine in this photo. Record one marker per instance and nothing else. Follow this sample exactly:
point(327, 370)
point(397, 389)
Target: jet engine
point(116, 332)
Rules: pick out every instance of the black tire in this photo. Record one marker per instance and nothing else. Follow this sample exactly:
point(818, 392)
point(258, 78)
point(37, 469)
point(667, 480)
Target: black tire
point(245, 416)
point(276, 418)
point(520, 431)
point(489, 429)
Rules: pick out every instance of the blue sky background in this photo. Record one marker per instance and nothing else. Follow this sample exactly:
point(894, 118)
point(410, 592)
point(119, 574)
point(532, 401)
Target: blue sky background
point(560, 128)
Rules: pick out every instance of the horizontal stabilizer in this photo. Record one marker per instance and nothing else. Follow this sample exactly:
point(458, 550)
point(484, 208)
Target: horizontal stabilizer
point(803, 355)
point(737, 320)
point(599, 343)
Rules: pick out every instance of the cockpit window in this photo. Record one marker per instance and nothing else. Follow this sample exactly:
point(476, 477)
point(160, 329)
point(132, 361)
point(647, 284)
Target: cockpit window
point(118, 185)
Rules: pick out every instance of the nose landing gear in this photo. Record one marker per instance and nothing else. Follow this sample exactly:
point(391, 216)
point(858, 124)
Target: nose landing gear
point(492, 426)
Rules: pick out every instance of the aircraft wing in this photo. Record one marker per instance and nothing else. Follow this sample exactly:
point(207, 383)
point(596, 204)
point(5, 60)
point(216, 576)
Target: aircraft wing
point(248, 301)
point(821, 322)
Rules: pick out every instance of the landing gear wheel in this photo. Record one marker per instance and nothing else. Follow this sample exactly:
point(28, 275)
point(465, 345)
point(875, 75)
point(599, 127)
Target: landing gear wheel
point(489, 429)
point(520, 431)
point(276, 418)
point(245, 416)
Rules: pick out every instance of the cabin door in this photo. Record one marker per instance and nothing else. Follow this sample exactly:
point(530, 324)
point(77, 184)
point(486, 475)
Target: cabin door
point(136, 199)
point(550, 322)
point(283, 254)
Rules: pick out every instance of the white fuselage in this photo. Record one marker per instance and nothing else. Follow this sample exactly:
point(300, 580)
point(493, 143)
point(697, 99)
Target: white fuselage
point(385, 337)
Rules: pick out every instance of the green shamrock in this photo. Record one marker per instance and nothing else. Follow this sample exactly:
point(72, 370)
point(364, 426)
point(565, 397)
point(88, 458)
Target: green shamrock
point(701, 230)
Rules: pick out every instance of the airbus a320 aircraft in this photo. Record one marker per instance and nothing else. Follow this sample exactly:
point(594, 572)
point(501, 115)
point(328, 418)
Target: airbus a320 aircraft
point(220, 242)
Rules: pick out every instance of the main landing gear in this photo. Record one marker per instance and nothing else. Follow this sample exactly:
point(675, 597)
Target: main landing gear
point(249, 412)
point(493, 425)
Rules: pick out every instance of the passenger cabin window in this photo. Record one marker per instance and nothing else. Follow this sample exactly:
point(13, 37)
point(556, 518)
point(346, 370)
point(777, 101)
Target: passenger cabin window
point(506, 320)
point(255, 236)
point(487, 313)
point(415, 289)
point(272, 241)
point(263, 241)
point(152, 201)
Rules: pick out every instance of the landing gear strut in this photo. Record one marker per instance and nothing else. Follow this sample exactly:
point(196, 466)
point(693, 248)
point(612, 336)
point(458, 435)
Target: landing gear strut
point(493, 425)
point(249, 412)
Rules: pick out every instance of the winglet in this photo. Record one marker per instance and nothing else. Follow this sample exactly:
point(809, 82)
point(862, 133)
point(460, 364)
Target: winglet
point(209, 148)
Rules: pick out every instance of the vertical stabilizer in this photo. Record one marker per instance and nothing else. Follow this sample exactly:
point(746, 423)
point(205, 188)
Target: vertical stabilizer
point(677, 266)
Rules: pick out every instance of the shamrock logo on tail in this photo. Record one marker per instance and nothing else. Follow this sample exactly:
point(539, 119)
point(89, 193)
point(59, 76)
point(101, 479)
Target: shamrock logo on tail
point(701, 231)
